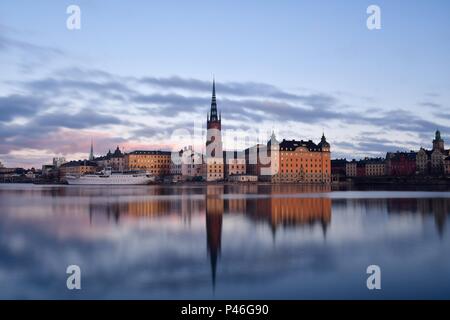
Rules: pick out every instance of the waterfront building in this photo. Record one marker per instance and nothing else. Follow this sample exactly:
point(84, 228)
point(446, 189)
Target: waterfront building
point(401, 163)
point(243, 178)
point(423, 162)
point(375, 167)
point(154, 162)
point(115, 160)
point(49, 170)
point(234, 163)
point(304, 162)
point(214, 149)
point(447, 166)
point(58, 161)
point(193, 166)
point(258, 161)
point(350, 168)
point(1, 165)
point(432, 161)
point(338, 167)
point(77, 168)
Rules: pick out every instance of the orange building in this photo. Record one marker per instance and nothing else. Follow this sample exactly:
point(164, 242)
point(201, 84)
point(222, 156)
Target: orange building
point(154, 162)
point(303, 162)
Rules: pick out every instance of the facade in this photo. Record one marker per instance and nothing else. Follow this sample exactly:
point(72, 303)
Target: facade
point(423, 161)
point(433, 161)
point(257, 161)
point(154, 162)
point(234, 163)
point(77, 168)
point(114, 160)
point(58, 161)
point(193, 166)
point(375, 167)
point(304, 162)
point(243, 178)
point(447, 166)
point(351, 168)
point(214, 150)
point(401, 163)
point(338, 167)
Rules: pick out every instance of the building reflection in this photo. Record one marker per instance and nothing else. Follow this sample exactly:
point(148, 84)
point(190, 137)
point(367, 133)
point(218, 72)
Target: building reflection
point(277, 206)
point(439, 208)
point(214, 216)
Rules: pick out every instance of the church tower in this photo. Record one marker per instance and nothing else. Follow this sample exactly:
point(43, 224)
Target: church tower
point(438, 142)
point(214, 151)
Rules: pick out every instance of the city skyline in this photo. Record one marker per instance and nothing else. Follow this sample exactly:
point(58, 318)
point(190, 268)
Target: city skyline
point(104, 83)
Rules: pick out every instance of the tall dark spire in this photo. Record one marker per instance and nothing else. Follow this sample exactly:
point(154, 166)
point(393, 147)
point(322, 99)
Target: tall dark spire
point(91, 154)
point(213, 115)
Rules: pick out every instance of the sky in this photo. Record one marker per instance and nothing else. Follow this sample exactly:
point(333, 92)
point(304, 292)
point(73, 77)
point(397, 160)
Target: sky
point(138, 75)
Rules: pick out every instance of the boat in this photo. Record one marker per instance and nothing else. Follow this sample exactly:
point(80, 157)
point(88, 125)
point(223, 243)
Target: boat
point(107, 177)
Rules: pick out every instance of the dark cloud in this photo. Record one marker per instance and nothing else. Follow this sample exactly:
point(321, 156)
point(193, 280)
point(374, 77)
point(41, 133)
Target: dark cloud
point(114, 90)
point(242, 89)
point(18, 106)
point(81, 120)
point(82, 98)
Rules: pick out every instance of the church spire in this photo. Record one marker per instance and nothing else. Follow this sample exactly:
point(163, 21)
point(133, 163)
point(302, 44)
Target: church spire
point(213, 115)
point(91, 154)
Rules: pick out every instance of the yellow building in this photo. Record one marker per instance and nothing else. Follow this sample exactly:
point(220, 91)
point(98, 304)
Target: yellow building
point(375, 167)
point(77, 168)
point(154, 162)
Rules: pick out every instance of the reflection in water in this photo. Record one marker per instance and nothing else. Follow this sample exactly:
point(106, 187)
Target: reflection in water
point(437, 207)
point(296, 212)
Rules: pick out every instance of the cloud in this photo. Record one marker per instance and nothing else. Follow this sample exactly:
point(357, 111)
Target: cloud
point(151, 108)
point(7, 43)
point(81, 120)
point(18, 106)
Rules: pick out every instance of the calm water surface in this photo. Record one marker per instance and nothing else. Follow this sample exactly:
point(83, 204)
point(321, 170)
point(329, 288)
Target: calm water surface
point(216, 241)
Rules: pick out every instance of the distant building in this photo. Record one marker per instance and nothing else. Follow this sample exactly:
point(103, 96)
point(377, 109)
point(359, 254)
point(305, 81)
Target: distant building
point(304, 162)
point(432, 161)
point(1, 165)
point(48, 170)
point(258, 161)
point(338, 167)
point(214, 151)
point(77, 168)
point(243, 178)
point(375, 167)
point(154, 162)
point(401, 163)
point(447, 166)
point(58, 161)
point(193, 166)
point(234, 163)
point(423, 161)
point(116, 160)
point(351, 168)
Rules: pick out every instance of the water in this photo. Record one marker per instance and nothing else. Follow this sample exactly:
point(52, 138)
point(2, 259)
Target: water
point(215, 242)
